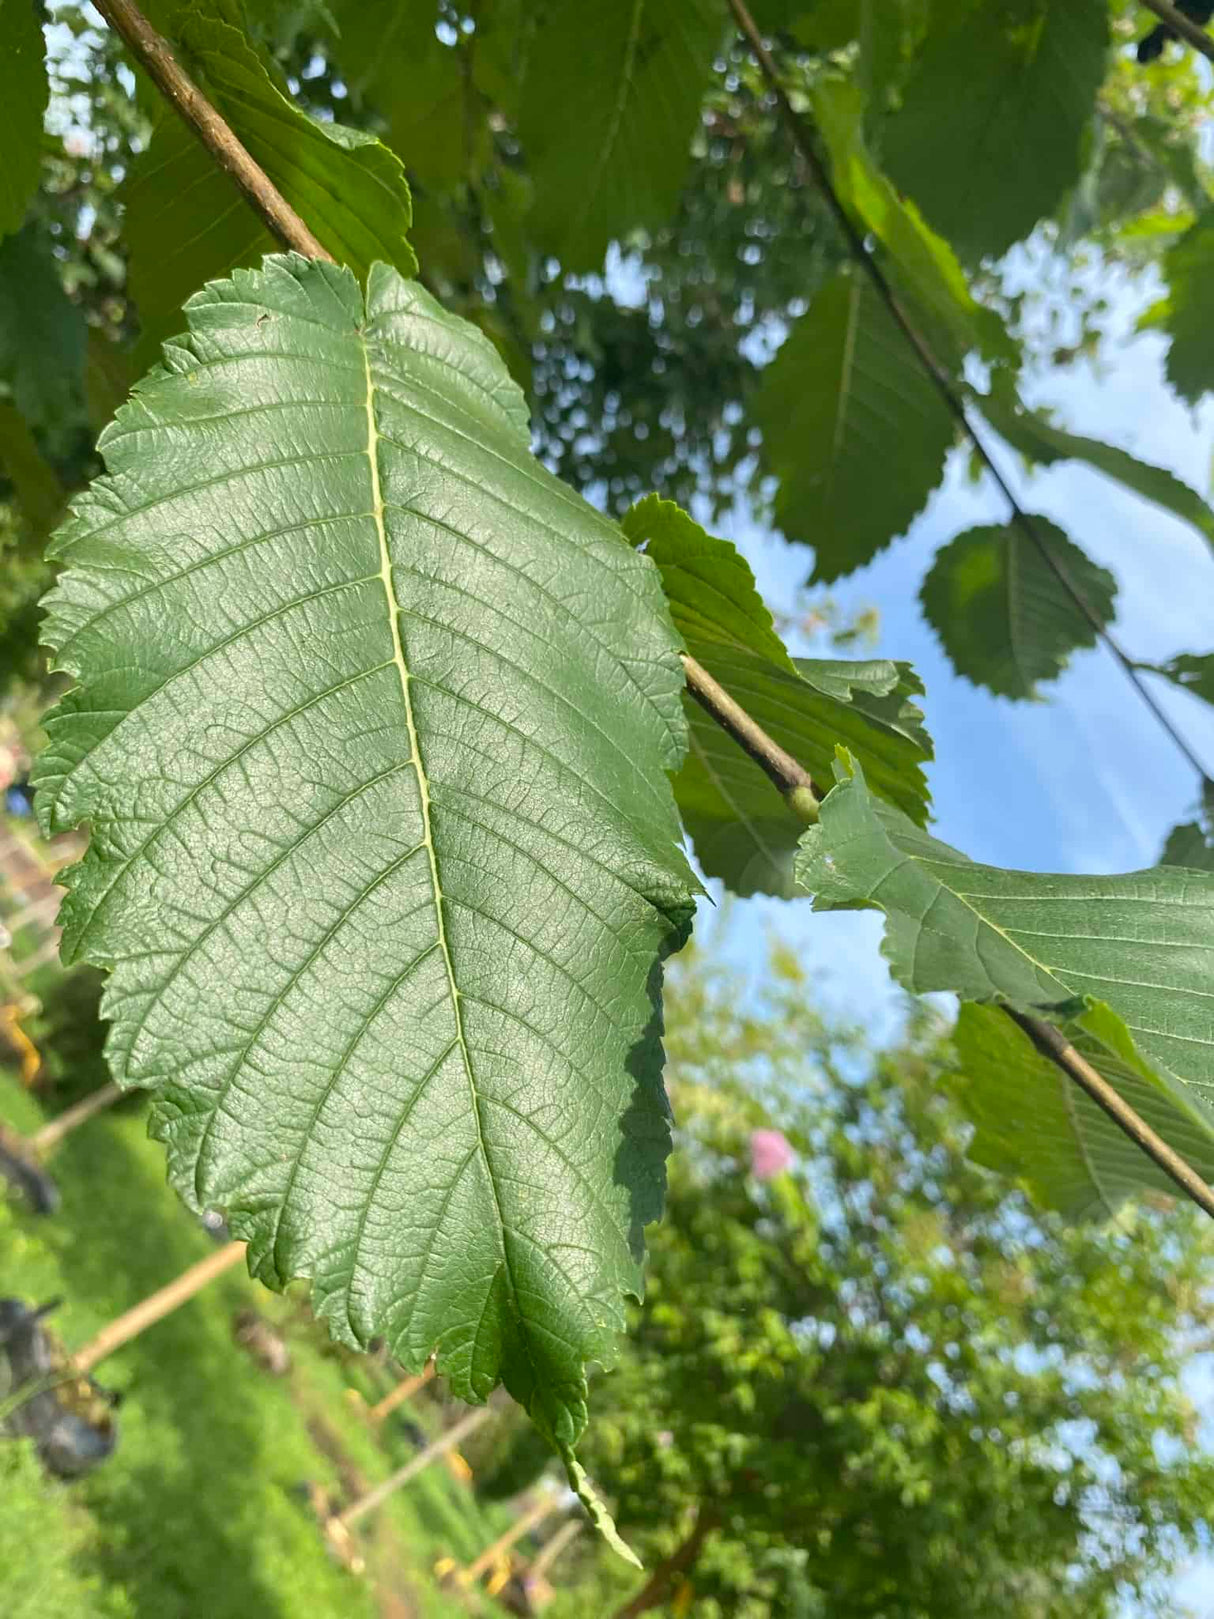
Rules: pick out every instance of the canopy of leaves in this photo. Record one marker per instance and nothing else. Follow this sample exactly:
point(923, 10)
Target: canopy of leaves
point(872, 1373)
point(1001, 611)
point(386, 929)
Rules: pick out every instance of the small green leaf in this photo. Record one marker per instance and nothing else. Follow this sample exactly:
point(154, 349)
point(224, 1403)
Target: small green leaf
point(1189, 845)
point(1001, 612)
point(1191, 671)
point(187, 222)
point(852, 427)
point(23, 97)
point(384, 861)
point(1039, 440)
point(1185, 317)
point(743, 830)
point(1036, 1123)
point(611, 105)
point(1142, 942)
point(989, 136)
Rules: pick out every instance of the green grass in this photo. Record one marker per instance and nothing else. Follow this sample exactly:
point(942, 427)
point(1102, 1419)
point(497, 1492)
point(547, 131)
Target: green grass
point(198, 1515)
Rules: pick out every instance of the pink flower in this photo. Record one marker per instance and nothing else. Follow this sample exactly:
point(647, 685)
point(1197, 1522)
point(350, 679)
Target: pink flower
point(770, 1154)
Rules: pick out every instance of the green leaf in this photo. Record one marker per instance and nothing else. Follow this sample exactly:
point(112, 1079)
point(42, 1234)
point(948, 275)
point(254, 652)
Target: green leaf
point(924, 265)
point(989, 136)
point(42, 335)
point(852, 428)
point(187, 222)
point(1034, 1122)
point(24, 93)
point(611, 105)
point(388, 49)
point(1189, 845)
point(742, 829)
point(372, 726)
point(1189, 267)
point(1039, 440)
point(1191, 671)
point(1143, 942)
point(1001, 612)
point(35, 480)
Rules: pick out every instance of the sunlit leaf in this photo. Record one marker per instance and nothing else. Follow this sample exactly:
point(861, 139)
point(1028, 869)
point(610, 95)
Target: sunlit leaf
point(383, 859)
point(187, 222)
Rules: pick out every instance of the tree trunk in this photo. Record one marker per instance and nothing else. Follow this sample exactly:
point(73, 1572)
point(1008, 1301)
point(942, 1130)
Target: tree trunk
point(655, 1589)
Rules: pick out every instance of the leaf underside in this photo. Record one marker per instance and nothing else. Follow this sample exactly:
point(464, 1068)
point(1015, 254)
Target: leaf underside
point(372, 729)
point(1143, 942)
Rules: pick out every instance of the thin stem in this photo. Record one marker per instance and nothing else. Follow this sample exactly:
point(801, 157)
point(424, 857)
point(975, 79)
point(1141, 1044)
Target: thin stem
point(1182, 25)
point(1054, 1045)
point(779, 767)
point(155, 55)
point(799, 133)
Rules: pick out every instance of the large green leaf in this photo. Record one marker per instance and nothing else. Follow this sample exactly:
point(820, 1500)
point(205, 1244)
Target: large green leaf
point(611, 105)
point(852, 428)
point(1034, 1122)
point(187, 223)
point(1038, 439)
point(372, 726)
point(23, 96)
point(1185, 315)
point(742, 829)
point(1143, 942)
point(42, 335)
point(989, 136)
point(1001, 612)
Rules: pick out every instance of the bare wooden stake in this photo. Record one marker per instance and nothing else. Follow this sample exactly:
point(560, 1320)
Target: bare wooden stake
point(467, 1424)
point(157, 1306)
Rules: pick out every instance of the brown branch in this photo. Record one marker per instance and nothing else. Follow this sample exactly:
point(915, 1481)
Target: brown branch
point(779, 767)
point(155, 55)
point(1182, 25)
point(1054, 1045)
point(680, 1561)
point(799, 133)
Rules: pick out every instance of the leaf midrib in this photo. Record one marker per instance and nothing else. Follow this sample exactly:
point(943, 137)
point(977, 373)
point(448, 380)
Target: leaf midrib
point(423, 789)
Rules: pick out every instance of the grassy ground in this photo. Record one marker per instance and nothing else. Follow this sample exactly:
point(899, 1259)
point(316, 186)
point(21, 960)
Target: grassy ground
point(199, 1514)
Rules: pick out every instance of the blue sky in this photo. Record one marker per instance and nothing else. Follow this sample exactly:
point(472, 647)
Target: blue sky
point(1085, 780)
